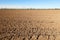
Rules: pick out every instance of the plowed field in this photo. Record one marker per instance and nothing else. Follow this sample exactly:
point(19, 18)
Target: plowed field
point(24, 24)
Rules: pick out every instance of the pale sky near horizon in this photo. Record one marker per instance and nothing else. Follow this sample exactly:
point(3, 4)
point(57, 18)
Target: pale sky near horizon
point(29, 3)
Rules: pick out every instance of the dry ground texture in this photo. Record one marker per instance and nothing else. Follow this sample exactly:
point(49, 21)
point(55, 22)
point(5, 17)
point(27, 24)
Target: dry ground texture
point(19, 24)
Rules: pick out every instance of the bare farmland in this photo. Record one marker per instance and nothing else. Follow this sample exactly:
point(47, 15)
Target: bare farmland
point(26, 24)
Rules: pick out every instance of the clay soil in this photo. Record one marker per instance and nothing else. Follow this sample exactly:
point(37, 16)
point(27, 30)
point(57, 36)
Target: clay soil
point(29, 24)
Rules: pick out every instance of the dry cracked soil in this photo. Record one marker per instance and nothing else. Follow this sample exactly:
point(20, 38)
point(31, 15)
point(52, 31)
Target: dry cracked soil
point(26, 24)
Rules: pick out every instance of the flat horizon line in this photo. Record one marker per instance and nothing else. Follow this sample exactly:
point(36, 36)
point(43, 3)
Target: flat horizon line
point(34, 8)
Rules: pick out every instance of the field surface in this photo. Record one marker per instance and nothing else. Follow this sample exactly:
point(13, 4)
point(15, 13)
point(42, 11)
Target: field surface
point(24, 24)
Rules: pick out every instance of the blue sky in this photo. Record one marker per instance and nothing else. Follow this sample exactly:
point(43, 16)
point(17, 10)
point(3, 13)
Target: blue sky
point(29, 3)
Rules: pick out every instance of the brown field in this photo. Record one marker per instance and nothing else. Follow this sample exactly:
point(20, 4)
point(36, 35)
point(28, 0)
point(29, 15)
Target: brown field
point(24, 24)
